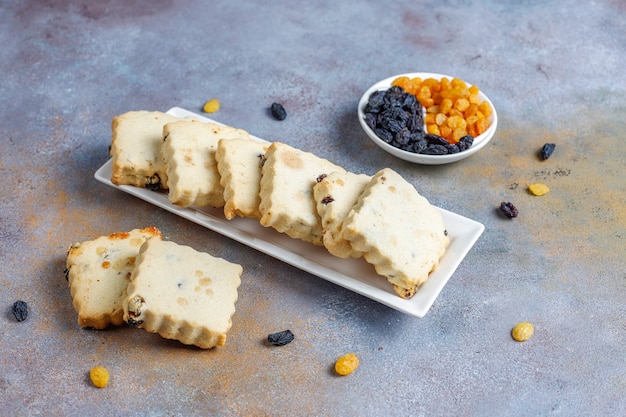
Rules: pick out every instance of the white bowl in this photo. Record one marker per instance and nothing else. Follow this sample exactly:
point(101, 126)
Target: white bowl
point(479, 141)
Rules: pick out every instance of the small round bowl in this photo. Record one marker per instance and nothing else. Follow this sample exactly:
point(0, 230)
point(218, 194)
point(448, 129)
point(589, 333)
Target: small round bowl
point(479, 141)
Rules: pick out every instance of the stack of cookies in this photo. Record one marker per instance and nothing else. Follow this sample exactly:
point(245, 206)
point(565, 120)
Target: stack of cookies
point(381, 218)
point(160, 286)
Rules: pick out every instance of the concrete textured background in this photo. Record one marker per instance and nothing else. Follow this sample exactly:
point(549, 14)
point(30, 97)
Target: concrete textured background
point(555, 72)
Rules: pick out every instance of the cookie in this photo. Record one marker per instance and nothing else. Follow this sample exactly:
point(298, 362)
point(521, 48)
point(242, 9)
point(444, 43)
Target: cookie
point(188, 150)
point(398, 231)
point(98, 272)
point(182, 294)
point(286, 190)
point(136, 149)
point(239, 164)
point(335, 195)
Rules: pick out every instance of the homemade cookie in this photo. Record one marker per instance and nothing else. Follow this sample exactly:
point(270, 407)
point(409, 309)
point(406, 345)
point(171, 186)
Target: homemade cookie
point(397, 230)
point(182, 294)
point(335, 196)
point(98, 272)
point(239, 164)
point(189, 153)
point(286, 191)
point(135, 149)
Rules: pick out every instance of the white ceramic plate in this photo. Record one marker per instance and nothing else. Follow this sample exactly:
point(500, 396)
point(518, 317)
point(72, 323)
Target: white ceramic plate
point(353, 274)
point(479, 142)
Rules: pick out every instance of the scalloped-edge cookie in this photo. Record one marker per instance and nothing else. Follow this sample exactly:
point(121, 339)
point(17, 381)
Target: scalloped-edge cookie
point(239, 163)
point(136, 149)
point(335, 195)
point(188, 152)
point(286, 191)
point(398, 231)
point(98, 272)
point(182, 294)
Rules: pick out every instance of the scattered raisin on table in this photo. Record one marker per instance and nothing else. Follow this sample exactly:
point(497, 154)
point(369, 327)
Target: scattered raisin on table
point(346, 364)
point(508, 209)
point(538, 189)
point(211, 106)
point(523, 331)
point(278, 111)
point(546, 151)
point(281, 338)
point(99, 376)
point(20, 310)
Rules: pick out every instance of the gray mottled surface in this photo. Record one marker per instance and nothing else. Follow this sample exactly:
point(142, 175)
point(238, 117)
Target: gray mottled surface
point(555, 72)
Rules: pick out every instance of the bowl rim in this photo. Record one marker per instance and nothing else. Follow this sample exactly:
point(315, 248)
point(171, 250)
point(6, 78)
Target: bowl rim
point(479, 142)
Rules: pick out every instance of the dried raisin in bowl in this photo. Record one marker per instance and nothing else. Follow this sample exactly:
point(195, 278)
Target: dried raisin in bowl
point(479, 141)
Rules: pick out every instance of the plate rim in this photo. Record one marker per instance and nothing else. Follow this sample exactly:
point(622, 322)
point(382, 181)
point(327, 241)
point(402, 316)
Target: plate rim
point(290, 252)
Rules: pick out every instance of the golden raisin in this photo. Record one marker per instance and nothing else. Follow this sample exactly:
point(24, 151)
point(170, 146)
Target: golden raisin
point(538, 189)
point(211, 106)
point(446, 106)
point(99, 376)
point(461, 104)
point(433, 129)
point(523, 331)
point(401, 82)
point(347, 364)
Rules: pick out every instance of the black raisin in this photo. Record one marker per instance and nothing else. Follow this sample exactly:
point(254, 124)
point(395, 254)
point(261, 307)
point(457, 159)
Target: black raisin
point(20, 310)
point(326, 200)
point(415, 123)
point(384, 134)
point(278, 111)
point(370, 120)
point(280, 338)
point(376, 101)
point(403, 136)
point(134, 323)
point(435, 150)
point(419, 145)
point(435, 139)
point(547, 150)
point(465, 143)
point(508, 209)
point(153, 183)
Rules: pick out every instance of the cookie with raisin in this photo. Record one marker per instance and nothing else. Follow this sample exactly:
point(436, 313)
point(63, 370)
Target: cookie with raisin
point(398, 231)
point(98, 272)
point(136, 149)
point(286, 191)
point(335, 195)
point(239, 163)
point(182, 294)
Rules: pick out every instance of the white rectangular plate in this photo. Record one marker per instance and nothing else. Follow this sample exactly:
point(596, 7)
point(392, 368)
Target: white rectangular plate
point(353, 274)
